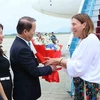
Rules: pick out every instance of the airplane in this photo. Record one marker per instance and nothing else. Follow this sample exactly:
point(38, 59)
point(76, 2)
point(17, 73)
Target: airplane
point(58, 8)
point(62, 9)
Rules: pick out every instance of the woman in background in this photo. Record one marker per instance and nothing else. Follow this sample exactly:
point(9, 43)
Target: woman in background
point(5, 76)
point(84, 65)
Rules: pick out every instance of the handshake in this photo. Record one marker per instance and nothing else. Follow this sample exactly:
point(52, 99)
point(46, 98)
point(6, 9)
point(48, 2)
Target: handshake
point(53, 62)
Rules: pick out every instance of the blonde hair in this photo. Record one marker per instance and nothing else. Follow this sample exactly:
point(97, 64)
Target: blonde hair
point(89, 24)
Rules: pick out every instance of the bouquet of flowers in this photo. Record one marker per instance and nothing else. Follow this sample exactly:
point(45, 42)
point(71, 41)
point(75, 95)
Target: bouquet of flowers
point(43, 51)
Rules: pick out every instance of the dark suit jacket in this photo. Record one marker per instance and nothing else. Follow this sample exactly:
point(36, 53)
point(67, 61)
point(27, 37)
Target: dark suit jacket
point(26, 72)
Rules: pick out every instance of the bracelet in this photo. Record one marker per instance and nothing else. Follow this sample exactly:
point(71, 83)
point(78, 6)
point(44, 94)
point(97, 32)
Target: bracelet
point(60, 61)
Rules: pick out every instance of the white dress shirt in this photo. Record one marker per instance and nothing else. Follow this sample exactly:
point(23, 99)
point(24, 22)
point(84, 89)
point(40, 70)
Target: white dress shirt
point(85, 61)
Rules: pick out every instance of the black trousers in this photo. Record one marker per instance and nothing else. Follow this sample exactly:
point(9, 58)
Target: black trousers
point(7, 86)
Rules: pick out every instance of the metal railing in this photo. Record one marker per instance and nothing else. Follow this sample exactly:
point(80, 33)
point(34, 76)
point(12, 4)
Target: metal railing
point(91, 8)
point(89, 11)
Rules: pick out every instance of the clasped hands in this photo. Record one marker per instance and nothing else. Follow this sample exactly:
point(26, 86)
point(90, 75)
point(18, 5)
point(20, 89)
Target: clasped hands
point(52, 62)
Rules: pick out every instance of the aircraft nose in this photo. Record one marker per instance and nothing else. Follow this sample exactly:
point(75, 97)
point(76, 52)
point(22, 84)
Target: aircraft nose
point(36, 4)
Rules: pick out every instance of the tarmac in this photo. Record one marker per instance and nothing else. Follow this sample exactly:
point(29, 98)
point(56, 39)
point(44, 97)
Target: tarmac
point(56, 91)
point(53, 90)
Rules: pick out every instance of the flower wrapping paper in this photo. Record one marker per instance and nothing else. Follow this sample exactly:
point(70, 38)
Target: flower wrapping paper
point(41, 53)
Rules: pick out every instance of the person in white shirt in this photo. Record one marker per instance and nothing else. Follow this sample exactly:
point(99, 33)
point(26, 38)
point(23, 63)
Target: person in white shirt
point(84, 65)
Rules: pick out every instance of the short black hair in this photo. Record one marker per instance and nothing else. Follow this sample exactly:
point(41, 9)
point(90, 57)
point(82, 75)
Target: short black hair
point(24, 23)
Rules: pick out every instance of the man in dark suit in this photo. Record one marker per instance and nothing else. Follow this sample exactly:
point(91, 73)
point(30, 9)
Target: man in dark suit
point(24, 64)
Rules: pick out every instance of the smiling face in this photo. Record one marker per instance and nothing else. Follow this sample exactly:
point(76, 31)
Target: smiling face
point(26, 27)
point(29, 34)
point(77, 27)
point(1, 35)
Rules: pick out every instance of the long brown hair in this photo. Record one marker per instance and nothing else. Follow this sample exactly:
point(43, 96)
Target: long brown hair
point(1, 51)
point(89, 24)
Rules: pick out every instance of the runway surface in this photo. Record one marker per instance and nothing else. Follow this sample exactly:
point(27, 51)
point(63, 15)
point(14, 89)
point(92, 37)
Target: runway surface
point(51, 91)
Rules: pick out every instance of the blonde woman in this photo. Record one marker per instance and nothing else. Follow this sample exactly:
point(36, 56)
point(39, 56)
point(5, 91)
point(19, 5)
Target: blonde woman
point(84, 65)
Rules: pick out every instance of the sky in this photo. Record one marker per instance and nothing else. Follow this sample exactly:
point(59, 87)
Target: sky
point(12, 10)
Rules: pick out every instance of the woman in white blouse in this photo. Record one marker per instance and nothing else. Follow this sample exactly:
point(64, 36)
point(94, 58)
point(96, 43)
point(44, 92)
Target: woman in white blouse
point(84, 65)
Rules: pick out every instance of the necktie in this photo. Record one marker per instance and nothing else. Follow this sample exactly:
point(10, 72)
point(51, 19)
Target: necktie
point(29, 44)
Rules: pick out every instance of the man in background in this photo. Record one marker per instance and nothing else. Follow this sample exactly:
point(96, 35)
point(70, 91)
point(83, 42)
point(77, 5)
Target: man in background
point(53, 38)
